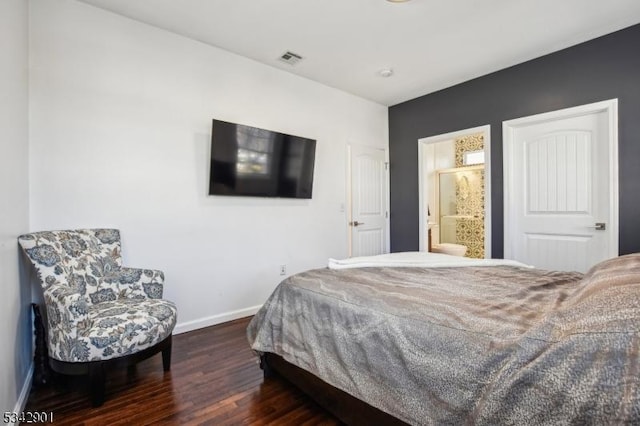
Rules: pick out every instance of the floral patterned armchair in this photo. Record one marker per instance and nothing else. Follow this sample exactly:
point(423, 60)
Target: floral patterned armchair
point(99, 313)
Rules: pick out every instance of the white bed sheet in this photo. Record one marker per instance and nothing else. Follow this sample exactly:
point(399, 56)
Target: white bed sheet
point(418, 259)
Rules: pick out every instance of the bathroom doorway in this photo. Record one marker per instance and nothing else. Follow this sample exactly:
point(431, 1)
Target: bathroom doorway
point(460, 211)
point(455, 193)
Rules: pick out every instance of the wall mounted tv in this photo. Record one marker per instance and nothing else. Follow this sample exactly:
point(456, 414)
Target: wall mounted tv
point(249, 161)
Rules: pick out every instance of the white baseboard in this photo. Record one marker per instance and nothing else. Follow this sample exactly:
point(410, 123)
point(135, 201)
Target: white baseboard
point(215, 319)
point(24, 393)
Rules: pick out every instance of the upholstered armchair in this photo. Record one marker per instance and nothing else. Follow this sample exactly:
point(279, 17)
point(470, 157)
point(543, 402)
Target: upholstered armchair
point(99, 313)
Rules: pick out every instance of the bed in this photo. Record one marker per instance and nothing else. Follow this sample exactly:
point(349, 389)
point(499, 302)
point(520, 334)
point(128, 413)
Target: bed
point(429, 339)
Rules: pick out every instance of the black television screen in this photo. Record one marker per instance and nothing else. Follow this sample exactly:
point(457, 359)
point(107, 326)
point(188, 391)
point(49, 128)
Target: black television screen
point(256, 162)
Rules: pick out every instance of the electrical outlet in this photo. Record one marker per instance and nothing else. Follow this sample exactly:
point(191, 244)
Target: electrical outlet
point(283, 269)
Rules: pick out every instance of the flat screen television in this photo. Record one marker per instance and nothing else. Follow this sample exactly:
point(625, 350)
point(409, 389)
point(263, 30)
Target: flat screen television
point(249, 161)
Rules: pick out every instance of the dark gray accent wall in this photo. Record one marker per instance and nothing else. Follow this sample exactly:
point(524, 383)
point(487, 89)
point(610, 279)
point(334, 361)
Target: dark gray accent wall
point(604, 68)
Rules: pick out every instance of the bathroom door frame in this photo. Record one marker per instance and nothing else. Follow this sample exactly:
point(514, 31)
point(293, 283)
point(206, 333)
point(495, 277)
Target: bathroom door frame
point(423, 195)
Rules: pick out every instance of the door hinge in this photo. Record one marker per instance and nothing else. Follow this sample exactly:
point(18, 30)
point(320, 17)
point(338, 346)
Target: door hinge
point(386, 165)
point(386, 215)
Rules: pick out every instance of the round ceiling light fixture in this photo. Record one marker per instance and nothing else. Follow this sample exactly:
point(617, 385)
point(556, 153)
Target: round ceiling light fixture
point(386, 72)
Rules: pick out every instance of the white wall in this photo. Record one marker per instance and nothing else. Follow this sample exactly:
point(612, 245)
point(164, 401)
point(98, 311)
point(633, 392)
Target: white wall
point(15, 294)
point(120, 135)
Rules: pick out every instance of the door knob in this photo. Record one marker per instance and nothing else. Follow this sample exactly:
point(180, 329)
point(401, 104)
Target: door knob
point(599, 226)
point(356, 223)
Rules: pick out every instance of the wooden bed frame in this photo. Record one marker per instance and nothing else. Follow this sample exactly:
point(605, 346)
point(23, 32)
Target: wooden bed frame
point(345, 407)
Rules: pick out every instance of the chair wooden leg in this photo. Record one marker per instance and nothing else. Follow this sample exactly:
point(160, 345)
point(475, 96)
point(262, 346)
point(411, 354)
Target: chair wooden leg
point(166, 356)
point(42, 373)
point(97, 383)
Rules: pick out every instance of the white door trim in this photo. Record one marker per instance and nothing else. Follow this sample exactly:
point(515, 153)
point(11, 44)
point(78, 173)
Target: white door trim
point(349, 194)
point(422, 210)
point(610, 107)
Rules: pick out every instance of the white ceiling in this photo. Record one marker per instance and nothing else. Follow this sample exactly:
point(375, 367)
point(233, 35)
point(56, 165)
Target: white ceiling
point(429, 44)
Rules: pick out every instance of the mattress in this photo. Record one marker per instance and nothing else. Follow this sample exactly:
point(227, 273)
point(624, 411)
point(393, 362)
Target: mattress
point(494, 344)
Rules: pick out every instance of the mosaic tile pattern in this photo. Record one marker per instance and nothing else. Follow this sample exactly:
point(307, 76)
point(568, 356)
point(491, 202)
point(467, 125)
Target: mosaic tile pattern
point(470, 194)
point(473, 142)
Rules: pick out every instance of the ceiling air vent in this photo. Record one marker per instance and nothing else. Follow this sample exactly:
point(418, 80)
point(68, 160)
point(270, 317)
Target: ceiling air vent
point(290, 58)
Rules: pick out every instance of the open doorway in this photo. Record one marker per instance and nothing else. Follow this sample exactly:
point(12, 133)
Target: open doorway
point(455, 193)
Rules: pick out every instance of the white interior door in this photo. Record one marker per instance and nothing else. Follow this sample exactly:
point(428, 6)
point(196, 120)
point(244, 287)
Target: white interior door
point(561, 187)
point(368, 207)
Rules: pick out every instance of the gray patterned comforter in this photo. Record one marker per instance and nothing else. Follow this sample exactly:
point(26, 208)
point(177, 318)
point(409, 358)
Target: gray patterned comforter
point(471, 345)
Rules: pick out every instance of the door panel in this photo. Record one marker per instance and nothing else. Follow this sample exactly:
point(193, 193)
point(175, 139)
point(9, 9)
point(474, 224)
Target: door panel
point(369, 242)
point(368, 201)
point(558, 169)
point(558, 252)
point(557, 187)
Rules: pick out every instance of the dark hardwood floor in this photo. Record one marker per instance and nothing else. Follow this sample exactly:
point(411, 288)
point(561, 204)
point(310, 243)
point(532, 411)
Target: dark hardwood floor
point(214, 379)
